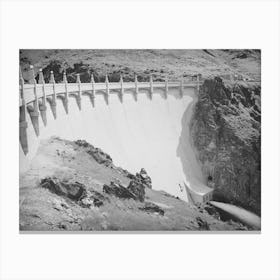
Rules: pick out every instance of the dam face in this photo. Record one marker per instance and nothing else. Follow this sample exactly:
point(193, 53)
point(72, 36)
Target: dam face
point(150, 133)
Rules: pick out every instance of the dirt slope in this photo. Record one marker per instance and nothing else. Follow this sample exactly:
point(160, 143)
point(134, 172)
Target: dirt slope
point(41, 209)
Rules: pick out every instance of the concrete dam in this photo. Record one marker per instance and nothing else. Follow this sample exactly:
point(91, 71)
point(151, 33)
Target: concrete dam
point(139, 124)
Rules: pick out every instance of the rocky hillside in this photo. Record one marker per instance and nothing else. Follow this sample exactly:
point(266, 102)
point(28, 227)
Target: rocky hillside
point(226, 132)
point(171, 64)
point(75, 186)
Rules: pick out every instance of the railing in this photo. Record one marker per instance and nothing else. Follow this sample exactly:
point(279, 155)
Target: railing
point(41, 90)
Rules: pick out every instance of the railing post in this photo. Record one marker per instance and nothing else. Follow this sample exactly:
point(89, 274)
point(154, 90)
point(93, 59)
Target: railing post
point(181, 88)
point(43, 106)
point(21, 83)
point(41, 77)
point(198, 82)
point(33, 81)
point(93, 85)
point(92, 97)
point(107, 85)
point(136, 87)
point(53, 103)
point(22, 117)
point(151, 86)
point(66, 98)
point(34, 112)
point(79, 98)
point(107, 91)
point(166, 87)
point(121, 82)
point(42, 82)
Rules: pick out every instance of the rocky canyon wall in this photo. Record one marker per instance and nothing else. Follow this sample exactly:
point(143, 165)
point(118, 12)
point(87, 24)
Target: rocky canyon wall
point(226, 133)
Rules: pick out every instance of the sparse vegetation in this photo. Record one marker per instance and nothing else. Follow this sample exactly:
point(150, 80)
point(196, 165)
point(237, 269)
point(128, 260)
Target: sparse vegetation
point(71, 196)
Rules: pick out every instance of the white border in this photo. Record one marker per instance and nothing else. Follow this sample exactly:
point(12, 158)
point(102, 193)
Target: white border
point(158, 24)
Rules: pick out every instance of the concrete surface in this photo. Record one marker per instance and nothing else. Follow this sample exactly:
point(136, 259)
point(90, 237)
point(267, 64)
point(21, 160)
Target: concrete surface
point(147, 133)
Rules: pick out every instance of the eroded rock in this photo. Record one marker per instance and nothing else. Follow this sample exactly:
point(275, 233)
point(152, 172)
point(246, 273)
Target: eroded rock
point(119, 191)
point(144, 178)
point(150, 207)
point(72, 190)
point(141, 177)
point(137, 189)
point(75, 191)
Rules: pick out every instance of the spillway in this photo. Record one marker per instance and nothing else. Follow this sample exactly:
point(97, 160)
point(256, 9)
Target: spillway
point(150, 133)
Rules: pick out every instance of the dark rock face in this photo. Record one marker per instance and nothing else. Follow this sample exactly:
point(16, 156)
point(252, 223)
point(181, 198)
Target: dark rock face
point(137, 189)
point(226, 132)
point(119, 191)
point(75, 191)
point(96, 153)
point(72, 190)
point(143, 177)
point(150, 207)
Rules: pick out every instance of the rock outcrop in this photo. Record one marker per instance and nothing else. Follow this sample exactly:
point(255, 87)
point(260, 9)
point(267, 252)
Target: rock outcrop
point(150, 207)
point(226, 133)
point(137, 189)
point(76, 191)
point(72, 190)
point(119, 191)
point(96, 153)
point(142, 177)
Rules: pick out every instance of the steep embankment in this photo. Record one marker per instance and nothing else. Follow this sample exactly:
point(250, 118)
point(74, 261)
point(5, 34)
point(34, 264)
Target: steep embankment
point(226, 131)
point(68, 187)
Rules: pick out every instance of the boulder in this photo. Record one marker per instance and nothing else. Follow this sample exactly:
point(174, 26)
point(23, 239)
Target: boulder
point(118, 191)
point(137, 189)
point(72, 190)
point(144, 178)
point(150, 207)
point(75, 191)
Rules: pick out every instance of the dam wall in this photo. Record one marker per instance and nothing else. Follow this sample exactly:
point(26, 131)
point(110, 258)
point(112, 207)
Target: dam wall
point(145, 125)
